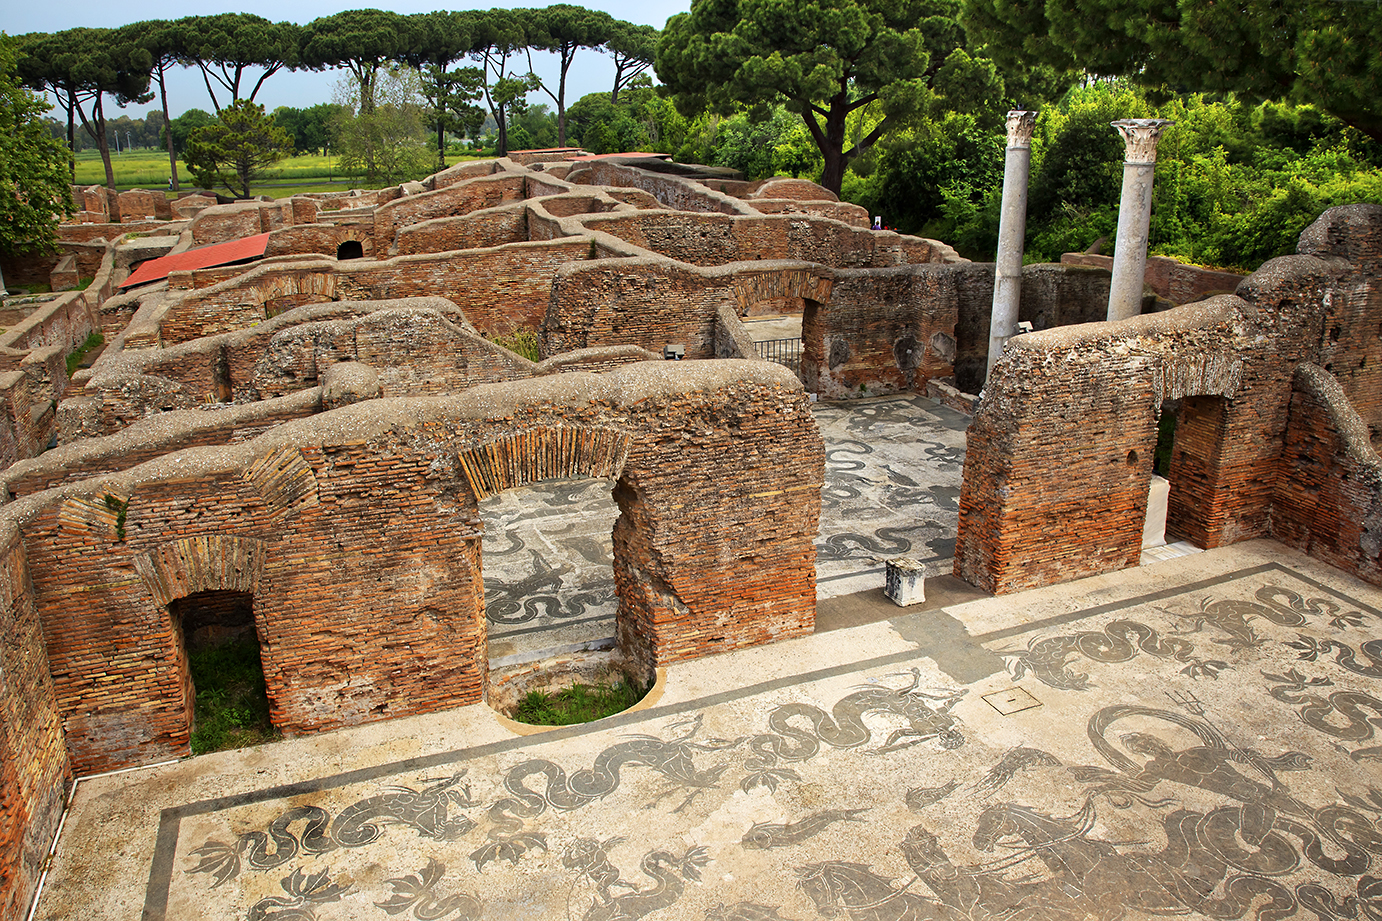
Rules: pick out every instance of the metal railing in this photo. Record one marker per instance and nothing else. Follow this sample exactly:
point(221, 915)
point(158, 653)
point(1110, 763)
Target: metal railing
point(785, 352)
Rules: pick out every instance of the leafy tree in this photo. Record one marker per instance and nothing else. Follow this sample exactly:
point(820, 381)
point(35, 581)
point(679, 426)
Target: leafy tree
point(634, 48)
point(564, 29)
point(386, 143)
point(440, 39)
point(497, 36)
point(1316, 51)
point(822, 60)
point(451, 96)
point(81, 67)
point(164, 45)
point(310, 128)
point(236, 150)
point(182, 126)
point(225, 45)
point(533, 127)
point(34, 190)
point(362, 41)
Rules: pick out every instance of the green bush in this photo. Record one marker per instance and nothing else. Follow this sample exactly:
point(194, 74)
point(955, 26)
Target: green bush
point(232, 707)
point(580, 703)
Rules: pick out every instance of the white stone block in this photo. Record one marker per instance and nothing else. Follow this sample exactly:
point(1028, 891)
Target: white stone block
point(906, 581)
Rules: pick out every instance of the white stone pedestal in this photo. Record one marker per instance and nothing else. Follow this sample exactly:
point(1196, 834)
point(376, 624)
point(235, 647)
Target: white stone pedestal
point(906, 581)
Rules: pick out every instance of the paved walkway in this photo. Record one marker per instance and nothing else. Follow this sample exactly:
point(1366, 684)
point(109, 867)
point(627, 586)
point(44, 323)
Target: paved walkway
point(1195, 736)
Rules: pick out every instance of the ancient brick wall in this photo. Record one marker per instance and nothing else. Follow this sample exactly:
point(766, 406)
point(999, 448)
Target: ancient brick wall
point(89, 233)
point(1226, 457)
point(1052, 295)
point(228, 222)
point(304, 238)
point(649, 302)
point(314, 516)
point(469, 169)
point(883, 331)
point(143, 205)
point(488, 227)
point(1044, 497)
point(500, 289)
point(1174, 280)
point(34, 767)
point(139, 440)
point(1059, 457)
point(670, 191)
point(1327, 500)
point(717, 239)
point(460, 198)
point(1348, 342)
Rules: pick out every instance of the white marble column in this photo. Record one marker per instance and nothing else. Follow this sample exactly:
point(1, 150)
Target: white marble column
point(1134, 214)
point(1012, 229)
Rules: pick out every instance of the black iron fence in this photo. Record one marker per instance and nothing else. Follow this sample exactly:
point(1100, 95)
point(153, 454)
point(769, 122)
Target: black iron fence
point(783, 351)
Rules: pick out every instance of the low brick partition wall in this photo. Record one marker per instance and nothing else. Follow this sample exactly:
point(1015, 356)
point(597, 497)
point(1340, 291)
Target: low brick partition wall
point(1059, 456)
point(1170, 278)
point(675, 192)
point(147, 439)
point(418, 346)
point(315, 515)
point(1328, 499)
point(651, 301)
point(715, 239)
point(501, 289)
point(459, 198)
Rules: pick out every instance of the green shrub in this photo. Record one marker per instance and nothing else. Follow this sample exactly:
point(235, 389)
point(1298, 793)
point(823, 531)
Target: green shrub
point(232, 708)
point(579, 703)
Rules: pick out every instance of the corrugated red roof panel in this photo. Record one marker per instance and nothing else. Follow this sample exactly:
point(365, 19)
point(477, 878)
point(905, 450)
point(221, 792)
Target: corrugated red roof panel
point(203, 257)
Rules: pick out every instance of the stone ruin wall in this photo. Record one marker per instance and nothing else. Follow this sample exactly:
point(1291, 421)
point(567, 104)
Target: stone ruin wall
point(391, 486)
point(1059, 456)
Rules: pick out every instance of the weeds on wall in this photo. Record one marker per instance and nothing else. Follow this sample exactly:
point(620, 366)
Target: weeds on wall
point(522, 342)
point(74, 360)
point(232, 708)
point(580, 703)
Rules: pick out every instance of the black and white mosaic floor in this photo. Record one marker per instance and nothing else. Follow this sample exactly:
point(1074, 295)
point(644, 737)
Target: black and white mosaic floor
point(1197, 738)
point(892, 487)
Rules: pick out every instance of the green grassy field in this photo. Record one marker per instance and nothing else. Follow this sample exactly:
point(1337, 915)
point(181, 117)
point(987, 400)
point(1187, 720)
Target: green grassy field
point(148, 169)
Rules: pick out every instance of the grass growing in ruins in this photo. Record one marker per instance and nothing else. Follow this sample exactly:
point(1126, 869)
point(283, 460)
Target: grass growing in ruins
point(74, 360)
point(522, 342)
point(232, 708)
point(580, 703)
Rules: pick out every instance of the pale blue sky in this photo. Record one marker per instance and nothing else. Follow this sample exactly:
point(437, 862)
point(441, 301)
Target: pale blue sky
point(590, 73)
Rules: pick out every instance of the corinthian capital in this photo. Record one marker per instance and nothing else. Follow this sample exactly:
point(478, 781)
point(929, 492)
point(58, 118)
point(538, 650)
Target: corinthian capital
point(1020, 125)
point(1140, 135)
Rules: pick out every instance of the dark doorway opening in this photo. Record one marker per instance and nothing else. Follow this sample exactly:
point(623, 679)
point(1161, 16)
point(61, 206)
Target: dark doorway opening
point(223, 672)
point(350, 249)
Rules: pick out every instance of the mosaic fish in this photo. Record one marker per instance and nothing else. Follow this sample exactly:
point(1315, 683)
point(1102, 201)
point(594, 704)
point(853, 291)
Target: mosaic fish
point(766, 835)
point(1015, 760)
point(918, 798)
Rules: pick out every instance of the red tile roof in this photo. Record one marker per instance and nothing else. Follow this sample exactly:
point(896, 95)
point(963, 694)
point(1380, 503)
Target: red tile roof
point(201, 258)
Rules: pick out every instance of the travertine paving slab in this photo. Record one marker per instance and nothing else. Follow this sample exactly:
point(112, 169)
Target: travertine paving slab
point(1196, 737)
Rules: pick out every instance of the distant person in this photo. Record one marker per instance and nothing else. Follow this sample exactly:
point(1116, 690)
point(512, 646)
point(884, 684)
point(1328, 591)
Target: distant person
point(878, 222)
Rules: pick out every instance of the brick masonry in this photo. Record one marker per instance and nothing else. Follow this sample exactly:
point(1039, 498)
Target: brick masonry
point(314, 515)
point(1059, 456)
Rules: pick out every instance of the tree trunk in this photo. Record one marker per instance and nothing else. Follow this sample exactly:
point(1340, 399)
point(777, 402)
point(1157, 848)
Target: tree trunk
point(833, 174)
point(501, 148)
point(168, 131)
point(98, 114)
point(72, 136)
